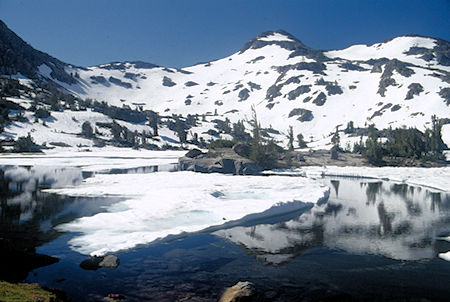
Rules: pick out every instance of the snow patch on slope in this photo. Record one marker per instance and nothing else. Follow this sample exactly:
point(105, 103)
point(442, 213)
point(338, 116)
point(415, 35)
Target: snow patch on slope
point(45, 71)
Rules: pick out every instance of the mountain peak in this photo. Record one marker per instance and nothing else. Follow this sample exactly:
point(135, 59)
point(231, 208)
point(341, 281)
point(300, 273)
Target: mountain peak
point(284, 40)
point(277, 37)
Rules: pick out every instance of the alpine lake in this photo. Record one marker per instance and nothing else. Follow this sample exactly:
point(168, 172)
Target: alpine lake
point(370, 240)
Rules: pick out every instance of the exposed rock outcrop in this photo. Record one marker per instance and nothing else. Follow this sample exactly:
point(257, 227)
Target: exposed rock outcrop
point(320, 99)
point(227, 162)
point(168, 82)
point(95, 262)
point(304, 115)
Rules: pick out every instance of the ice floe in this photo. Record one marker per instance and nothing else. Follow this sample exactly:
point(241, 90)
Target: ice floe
point(445, 256)
point(94, 159)
point(437, 178)
point(171, 203)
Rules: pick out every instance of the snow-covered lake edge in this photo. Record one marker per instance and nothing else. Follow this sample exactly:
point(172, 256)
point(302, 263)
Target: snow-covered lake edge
point(164, 204)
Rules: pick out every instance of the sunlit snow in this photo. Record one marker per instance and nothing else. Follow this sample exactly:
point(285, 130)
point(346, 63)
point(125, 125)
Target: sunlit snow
point(434, 178)
point(445, 256)
point(276, 37)
point(170, 203)
point(95, 159)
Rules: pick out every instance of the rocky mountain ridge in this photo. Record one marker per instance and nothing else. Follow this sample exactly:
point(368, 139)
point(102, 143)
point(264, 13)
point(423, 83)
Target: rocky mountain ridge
point(399, 82)
point(18, 57)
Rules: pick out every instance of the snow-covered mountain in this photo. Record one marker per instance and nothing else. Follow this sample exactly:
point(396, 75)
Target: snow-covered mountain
point(400, 82)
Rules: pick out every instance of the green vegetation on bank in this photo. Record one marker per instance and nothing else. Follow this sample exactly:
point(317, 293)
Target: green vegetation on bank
point(10, 292)
point(257, 146)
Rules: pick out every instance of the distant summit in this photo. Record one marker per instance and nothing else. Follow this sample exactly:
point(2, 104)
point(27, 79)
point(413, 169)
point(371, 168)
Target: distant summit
point(284, 40)
point(278, 37)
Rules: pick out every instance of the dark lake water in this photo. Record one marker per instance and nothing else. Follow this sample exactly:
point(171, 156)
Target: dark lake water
point(371, 240)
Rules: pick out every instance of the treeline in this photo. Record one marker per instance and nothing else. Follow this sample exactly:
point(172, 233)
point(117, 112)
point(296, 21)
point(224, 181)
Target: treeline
point(258, 146)
point(392, 145)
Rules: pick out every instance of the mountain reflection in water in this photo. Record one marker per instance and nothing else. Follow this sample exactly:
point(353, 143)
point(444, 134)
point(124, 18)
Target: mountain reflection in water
point(397, 221)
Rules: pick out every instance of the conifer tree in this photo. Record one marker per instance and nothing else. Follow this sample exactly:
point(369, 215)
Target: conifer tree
point(350, 128)
point(181, 130)
point(263, 153)
point(335, 139)
point(436, 144)
point(373, 150)
point(153, 119)
point(238, 132)
point(301, 141)
point(290, 137)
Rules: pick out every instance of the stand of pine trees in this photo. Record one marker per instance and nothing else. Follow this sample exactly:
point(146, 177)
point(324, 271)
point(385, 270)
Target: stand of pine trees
point(404, 143)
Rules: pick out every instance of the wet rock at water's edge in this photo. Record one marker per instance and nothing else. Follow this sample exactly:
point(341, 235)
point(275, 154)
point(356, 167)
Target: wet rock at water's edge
point(91, 264)
point(240, 292)
point(96, 262)
point(109, 261)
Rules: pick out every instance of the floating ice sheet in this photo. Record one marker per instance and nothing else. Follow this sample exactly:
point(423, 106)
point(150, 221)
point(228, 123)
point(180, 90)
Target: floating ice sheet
point(445, 256)
point(437, 178)
point(96, 159)
point(170, 203)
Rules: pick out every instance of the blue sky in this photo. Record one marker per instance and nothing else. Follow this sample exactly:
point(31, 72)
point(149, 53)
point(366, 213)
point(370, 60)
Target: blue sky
point(179, 33)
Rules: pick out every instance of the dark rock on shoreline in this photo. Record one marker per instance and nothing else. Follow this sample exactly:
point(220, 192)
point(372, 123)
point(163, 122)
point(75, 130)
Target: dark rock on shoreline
point(91, 264)
point(193, 153)
point(110, 261)
point(226, 161)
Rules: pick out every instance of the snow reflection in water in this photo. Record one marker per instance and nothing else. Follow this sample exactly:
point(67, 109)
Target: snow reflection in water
point(397, 221)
